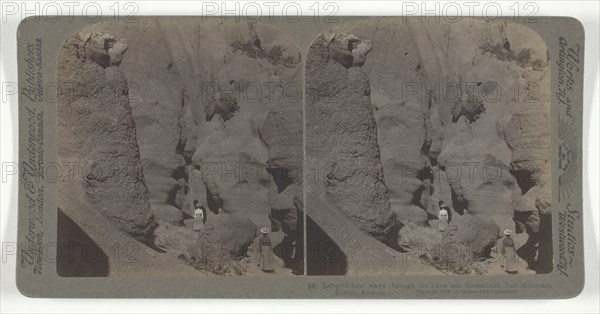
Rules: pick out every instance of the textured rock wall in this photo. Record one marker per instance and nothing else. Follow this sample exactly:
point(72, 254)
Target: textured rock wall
point(341, 133)
point(97, 134)
point(281, 132)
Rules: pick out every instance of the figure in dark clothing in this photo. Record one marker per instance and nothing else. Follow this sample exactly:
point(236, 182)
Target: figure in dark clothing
point(509, 252)
point(265, 251)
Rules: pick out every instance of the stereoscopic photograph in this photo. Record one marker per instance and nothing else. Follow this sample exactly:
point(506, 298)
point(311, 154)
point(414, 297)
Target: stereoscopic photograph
point(428, 149)
point(184, 138)
point(374, 157)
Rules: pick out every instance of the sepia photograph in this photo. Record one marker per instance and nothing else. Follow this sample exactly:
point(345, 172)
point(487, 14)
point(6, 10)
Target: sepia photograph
point(184, 138)
point(322, 156)
point(428, 149)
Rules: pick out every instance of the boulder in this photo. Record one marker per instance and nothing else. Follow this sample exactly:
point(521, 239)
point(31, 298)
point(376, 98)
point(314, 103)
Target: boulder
point(116, 52)
point(167, 213)
point(97, 47)
point(229, 234)
point(174, 238)
point(476, 234)
point(416, 238)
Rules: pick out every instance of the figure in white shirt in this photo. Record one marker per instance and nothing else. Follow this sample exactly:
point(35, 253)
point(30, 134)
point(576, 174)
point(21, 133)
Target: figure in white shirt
point(443, 217)
point(199, 216)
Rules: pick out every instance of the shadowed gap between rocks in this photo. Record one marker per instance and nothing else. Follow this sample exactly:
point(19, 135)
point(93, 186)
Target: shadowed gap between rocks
point(538, 251)
point(280, 177)
point(323, 255)
point(172, 197)
point(214, 203)
point(524, 179)
point(291, 253)
point(77, 254)
point(458, 203)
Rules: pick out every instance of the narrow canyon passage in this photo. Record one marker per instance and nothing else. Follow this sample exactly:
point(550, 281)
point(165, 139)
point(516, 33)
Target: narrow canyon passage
point(215, 119)
point(457, 122)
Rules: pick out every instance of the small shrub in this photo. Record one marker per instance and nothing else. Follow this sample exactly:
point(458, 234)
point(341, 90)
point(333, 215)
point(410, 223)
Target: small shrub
point(218, 266)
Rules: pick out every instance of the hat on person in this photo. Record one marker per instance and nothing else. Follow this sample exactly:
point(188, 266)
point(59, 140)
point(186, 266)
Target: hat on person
point(507, 232)
point(264, 230)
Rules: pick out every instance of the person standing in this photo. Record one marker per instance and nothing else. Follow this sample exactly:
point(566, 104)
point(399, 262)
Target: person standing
point(199, 216)
point(443, 217)
point(265, 251)
point(509, 253)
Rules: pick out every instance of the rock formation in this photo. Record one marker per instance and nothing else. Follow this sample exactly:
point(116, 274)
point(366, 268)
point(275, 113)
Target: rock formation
point(529, 139)
point(466, 122)
point(97, 134)
point(200, 93)
point(102, 197)
point(281, 132)
point(395, 122)
point(228, 236)
point(476, 234)
point(341, 133)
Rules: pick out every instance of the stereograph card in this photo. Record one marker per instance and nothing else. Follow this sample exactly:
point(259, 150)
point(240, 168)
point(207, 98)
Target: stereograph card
point(365, 157)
